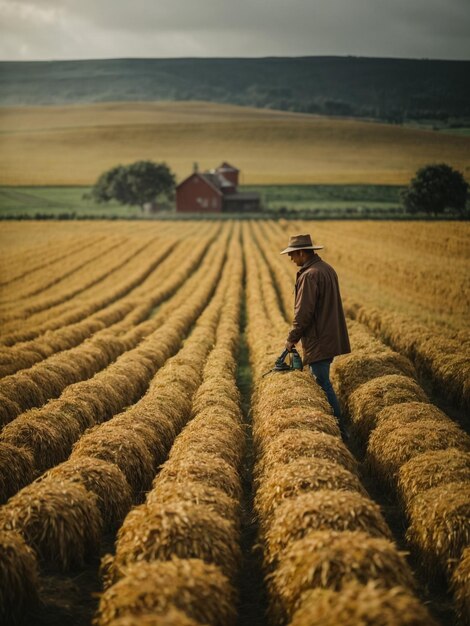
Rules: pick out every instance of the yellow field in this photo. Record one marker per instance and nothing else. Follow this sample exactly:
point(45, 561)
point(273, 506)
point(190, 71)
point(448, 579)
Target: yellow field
point(135, 380)
point(72, 145)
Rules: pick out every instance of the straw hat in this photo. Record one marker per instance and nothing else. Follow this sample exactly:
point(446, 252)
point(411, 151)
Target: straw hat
point(300, 242)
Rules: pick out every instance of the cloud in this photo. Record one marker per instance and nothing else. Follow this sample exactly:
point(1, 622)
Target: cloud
point(118, 28)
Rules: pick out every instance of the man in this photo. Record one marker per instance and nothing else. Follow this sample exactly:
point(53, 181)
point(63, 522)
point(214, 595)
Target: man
point(319, 320)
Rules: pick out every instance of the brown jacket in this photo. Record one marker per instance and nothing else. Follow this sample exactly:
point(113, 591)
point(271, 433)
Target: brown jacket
point(318, 313)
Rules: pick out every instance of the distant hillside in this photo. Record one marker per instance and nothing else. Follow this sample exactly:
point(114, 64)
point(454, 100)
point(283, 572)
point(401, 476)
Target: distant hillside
point(394, 90)
point(73, 145)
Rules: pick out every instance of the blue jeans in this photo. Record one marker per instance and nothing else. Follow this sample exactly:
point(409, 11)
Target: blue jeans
point(321, 371)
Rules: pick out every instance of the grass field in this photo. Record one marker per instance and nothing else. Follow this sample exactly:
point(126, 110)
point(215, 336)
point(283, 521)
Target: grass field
point(62, 202)
point(58, 202)
point(72, 145)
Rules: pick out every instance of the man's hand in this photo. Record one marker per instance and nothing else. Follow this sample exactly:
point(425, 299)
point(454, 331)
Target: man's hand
point(289, 345)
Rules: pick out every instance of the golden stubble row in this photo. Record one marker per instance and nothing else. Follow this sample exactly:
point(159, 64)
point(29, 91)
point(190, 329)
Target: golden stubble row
point(438, 352)
point(327, 550)
point(35, 251)
point(48, 433)
point(86, 285)
point(443, 357)
point(134, 302)
point(27, 260)
point(78, 308)
point(81, 282)
point(130, 277)
point(412, 447)
point(22, 294)
point(183, 543)
point(381, 262)
point(47, 379)
point(91, 267)
point(63, 514)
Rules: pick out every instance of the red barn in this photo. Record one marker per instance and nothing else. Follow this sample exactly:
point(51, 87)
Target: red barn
point(197, 194)
point(229, 172)
point(213, 192)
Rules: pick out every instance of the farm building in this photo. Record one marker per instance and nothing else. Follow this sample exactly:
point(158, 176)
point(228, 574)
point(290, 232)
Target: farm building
point(214, 191)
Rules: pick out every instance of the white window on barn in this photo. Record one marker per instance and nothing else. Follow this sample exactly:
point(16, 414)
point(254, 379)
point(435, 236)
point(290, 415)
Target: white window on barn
point(214, 203)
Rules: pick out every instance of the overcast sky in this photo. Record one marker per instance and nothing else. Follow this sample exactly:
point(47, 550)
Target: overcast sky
point(85, 29)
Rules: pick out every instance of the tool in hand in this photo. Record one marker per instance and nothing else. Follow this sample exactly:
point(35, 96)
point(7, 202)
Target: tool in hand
point(294, 362)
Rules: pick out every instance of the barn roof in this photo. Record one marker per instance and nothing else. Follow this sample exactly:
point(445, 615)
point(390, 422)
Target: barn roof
point(204, 177)
point(217, 179)
point(227, 166)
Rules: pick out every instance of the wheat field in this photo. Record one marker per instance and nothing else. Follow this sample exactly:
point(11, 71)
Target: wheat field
point(154, 471)
point(73, 145)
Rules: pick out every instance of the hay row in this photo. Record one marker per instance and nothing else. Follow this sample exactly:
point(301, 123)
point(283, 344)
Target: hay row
point(358, 603)
point(419, 452)
point(442, 359)
point(145, 291)
point(59, 519)
point(69, 313)
point(63, 514)
point(319, 531)
point(29, 353)
point(369, 359)
point(38, 281)
point(34, 284)
point(46, 380)
point(263, 233)
point(130, 280)
point(125, 271)
point(28, 260)
point(460, 585)
point(177, 591)
point(50, 432)
point(58, 291)
point(389, 265)
point(19, 579)
point(189, 524)
point(101, 254)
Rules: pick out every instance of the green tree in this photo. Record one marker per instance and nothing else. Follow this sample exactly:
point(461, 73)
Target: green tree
point(111, 185)
point(435, 189)
point(135, 184)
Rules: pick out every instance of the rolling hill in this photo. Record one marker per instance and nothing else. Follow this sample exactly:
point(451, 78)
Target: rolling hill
point(72, 145)
point(394, 90)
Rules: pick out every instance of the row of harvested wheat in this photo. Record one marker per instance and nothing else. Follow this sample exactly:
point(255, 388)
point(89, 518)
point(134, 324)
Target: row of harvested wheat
point(408, 267)
point(441, 357)
point(438, 353)
point(411, 428)
point(118, 460)
point(416, 450)
point(77, 265)
point(34, 247)
point(319, 530)
point(43, 437)
point(327, 551)
point(179, 553)
point(47, 379)
point(136, 277)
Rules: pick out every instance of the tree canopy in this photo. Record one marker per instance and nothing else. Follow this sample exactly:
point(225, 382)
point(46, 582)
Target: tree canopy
point(435, 189)
point(135, 184)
